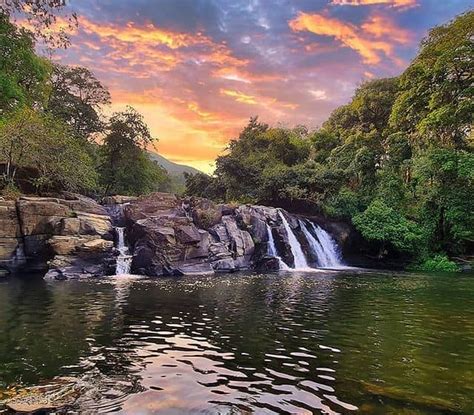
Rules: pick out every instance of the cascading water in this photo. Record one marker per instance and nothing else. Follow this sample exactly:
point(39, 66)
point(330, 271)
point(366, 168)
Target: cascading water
point(272, 250)
point(298, 254)
point(332, 257)
point(323, 246)
point(124, 260)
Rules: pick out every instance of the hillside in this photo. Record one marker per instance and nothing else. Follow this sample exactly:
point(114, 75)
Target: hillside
point(176, 171)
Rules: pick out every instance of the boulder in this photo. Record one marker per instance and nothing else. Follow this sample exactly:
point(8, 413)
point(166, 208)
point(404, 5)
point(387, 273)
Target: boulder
point(224, 265)
point(206, 214)
point(41, 215)
point(96, 246)
point(188, 234)
point(10, 232)
point(241, 241)
point(195, 268)
point(92, 224)
point(201, 250)
point(65, 245)
point(35, 230)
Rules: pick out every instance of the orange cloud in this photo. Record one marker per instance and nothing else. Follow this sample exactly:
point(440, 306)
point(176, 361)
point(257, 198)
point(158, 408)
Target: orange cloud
point(392, 3)
point(155, 49)
point(380, 26)
point(239, 96)
point(366, 40)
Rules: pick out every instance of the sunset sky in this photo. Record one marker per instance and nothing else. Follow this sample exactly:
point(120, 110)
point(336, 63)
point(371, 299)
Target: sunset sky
point(198, 69)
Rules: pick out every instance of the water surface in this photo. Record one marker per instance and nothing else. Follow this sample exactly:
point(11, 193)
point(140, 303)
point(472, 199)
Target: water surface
point(323, 342)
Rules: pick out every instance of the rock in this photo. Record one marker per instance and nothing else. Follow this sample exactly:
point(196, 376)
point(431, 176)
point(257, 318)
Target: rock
point(219, 231)
point(219, 250)
point(268, 264)
point(188, 234)
point(40, 216)
point(56, 396)
point(38, 230)
point(96, 246)
point(92, 224)
point(241, 241)
point(118, 200)
point(80, 203)
point(69, 226)
point(224, 265)
point(199, 268)
point(65, 245)
point(169, 235)
point(201, 250)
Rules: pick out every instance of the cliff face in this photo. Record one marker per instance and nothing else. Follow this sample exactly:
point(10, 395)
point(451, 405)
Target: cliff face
point(72, 236)
point(172, 236)
point(67, 235)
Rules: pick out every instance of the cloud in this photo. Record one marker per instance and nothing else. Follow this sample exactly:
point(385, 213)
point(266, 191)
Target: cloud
point(318, 94)
point(404, 4)
point(239, 96)
point(380, 26)
point(371, 40)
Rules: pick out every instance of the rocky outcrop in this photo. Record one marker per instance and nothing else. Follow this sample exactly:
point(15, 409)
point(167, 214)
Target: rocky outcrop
point(68, 236)
point(173, 236)
point(72, 236)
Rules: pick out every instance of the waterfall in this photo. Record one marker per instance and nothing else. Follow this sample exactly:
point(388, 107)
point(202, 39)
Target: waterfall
point(124, 260)
point(272, 250)
point(298, 254)
point(323, 246)
point(330, 248)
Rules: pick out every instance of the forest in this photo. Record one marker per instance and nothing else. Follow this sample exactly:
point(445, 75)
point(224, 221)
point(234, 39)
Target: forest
point(397, 161)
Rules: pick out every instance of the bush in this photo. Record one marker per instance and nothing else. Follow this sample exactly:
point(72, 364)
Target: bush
point(384, 224)
point(438, 262)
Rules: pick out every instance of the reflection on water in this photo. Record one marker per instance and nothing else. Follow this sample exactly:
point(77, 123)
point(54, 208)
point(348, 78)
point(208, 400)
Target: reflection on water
point(308, 343)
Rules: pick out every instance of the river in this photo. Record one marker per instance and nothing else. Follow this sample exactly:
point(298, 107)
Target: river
point(299, 343)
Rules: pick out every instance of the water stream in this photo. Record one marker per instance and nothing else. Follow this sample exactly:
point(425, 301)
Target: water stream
point(323, 246)
point(272, 250)
point(124, 260)
point(295, 246)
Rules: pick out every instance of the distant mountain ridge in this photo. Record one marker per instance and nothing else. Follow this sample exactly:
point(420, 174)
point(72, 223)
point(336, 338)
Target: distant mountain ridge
point(175, 171)
point(171, 167)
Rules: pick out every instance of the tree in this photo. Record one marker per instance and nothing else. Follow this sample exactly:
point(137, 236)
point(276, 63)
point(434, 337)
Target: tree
point(77, 97)
point(42, 15)
point(385, 225)
point(435, 104)
point(203, 185)
point(46, 145)
point(126, 167)
point(24, 76)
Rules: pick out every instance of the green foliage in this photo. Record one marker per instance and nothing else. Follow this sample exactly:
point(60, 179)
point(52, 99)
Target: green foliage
point(383, 224)
point(32, 139)
point(203, 185)
point(125, 165)
point(344, 204)
point(76, 97)
point(435, 104)
point(24, 76)
point(260, 155)
point(437, 263)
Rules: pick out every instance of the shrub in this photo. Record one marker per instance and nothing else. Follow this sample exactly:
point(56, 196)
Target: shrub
point(439, 262)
